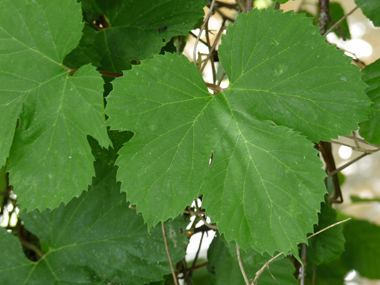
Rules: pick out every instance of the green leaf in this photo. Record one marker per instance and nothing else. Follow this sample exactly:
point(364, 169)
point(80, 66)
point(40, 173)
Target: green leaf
point(96, 237)
point(281, 69)
point(370, 8)
point(259, 171)
point(369, 129)
point(332, 273)
point(356, 199)
point(132, 33)
point(362, 248)
point(329, 244)
point(224, 268)
point(86, 52)
point(50, 160)
point(166, 103)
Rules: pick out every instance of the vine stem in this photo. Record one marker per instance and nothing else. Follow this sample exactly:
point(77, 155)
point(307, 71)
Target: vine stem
point(341, 20)
point(259, 272)
point(28, 244)
point(201, 30)
point(339, 169)
point(241, 265)
point(167, 251)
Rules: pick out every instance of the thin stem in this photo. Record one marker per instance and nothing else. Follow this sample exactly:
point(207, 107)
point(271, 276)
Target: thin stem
point(329, 227)
point(200, 32)
point(221, 78)
point(207, 224)
point(197, 254)
point(214, 86)
point(259, 272)
point(211, 58)
point(28, 244)
point(339, 169)
point(167, 251)
point(324, 15)
point(248, 6)
point(195, 267)
point(340, 21)
point(241, 265)
point(213, 46)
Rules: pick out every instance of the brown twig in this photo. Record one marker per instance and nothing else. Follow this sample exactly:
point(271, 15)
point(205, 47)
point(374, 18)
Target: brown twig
point(326, 151)
point(201, 30)
point(340, 21)
point(214, 86)
point(28, 244)
point(213, 46)
point(195, 267)
point(167, 251)
point(248, 6)
point(324, 15)
point(221, 78)
point(241, 265)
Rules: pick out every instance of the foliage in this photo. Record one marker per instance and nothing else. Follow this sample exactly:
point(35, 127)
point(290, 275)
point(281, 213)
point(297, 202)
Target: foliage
point(99, 165)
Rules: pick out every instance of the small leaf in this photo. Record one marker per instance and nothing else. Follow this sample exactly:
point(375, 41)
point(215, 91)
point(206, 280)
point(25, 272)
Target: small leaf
point(362, 248)
point(369, 129)
point(96, 238)
point(370, 8)
point(224, 268)
point(329, 244)
point(281, 69)
point(133, 28)
point(50, 160)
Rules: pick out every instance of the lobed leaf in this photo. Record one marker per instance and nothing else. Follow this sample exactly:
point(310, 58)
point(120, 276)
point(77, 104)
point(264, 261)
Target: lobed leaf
point(50, 160)
point(95, 238)
point(281, 69)
point(132, 31)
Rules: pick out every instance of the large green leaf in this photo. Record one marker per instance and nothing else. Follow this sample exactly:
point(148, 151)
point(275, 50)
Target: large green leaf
point(370, 129)
point(362, 248)
point(370, 8)
point(264, 186)
point(95, 238)
point(166, 103)
point(133, 27)
point(50, 160)
point(263, 177)
point(280, 69)
point(224, 268)
point(329, 244)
